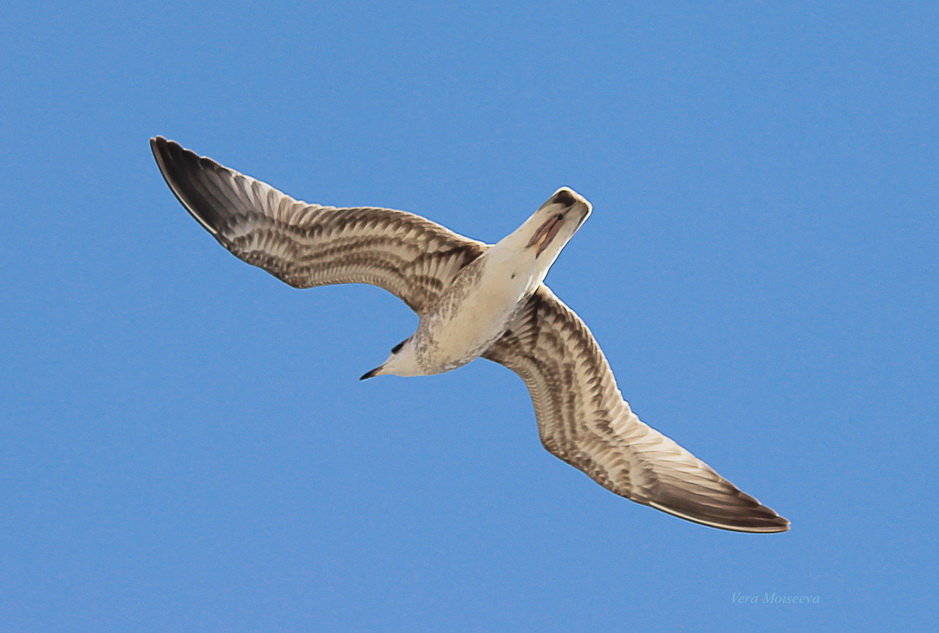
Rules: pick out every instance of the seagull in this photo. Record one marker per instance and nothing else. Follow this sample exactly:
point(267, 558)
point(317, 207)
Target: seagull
point(474, 300)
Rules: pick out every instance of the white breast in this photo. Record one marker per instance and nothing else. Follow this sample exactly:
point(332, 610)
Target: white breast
point(475, 311)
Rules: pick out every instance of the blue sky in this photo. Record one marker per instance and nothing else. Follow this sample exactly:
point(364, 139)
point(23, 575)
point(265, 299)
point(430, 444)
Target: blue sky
point(185, 446)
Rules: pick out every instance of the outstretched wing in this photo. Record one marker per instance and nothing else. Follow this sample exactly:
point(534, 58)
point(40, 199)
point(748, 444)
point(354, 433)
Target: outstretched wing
point(309, 245)
point(583, 419)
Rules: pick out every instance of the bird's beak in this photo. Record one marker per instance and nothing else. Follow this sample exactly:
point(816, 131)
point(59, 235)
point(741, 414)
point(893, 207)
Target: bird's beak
point(371, 374)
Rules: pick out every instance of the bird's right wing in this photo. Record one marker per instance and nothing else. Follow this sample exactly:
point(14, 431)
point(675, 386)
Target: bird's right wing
point(583, 419)
point(309, 245)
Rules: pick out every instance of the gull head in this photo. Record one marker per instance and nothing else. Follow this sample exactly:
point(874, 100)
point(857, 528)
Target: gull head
point(401, 362)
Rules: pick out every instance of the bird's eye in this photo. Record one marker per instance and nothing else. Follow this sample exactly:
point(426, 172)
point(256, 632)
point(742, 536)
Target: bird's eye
point(397, 348)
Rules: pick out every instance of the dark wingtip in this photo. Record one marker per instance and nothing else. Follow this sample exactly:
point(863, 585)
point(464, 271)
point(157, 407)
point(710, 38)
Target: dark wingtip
point(745, 515)
point(159, 145)
point(185, 174)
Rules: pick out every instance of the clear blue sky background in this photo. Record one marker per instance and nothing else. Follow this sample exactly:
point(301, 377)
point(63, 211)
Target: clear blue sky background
point(185, 446)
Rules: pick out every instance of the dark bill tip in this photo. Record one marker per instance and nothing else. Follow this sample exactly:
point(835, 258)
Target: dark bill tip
point(370, 374)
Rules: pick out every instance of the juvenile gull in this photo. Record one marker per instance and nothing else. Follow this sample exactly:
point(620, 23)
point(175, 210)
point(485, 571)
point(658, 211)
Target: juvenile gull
point(473, 299)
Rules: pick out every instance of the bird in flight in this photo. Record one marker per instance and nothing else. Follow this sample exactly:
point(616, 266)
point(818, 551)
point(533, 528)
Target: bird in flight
point(474, 300)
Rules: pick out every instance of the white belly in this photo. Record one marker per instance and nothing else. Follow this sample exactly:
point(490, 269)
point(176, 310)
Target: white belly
point(473, 313)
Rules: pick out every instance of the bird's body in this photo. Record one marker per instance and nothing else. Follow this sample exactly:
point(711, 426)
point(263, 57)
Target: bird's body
point(470, 314)
point(476, 308)
point(473, 300)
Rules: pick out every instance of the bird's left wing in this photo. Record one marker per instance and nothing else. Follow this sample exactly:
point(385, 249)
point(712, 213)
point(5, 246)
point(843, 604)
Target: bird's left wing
point(309, 245)
point(584, 420)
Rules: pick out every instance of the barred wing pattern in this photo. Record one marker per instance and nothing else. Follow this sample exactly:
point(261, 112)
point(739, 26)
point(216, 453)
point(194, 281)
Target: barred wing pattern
point(584, 420)
point(309, 245)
